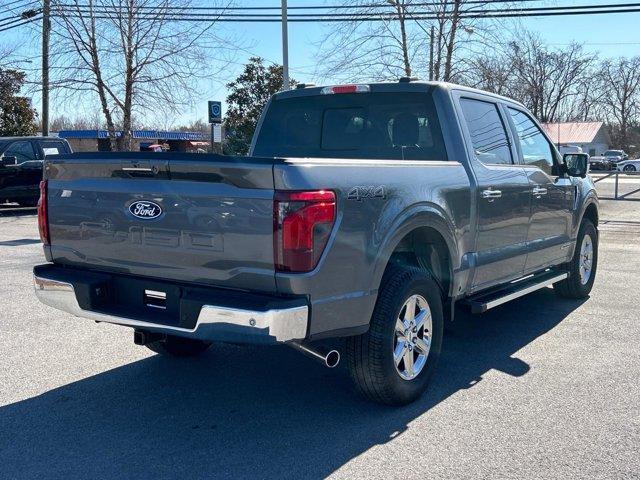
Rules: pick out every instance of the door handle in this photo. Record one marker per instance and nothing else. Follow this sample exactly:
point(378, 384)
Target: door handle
point(539, 191)
point(490, 193)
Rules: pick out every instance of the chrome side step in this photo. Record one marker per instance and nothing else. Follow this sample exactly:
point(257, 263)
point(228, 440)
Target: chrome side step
point(486, 301)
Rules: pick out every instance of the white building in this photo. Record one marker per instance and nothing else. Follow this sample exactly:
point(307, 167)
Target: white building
point(592, 137)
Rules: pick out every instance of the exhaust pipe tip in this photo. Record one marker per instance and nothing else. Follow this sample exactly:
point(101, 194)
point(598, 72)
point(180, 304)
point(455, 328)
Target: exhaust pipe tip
point(332, 359)
point(329, 359)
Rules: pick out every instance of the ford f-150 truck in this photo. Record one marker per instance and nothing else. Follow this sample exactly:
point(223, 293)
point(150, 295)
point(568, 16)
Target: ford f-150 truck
point(362, 211)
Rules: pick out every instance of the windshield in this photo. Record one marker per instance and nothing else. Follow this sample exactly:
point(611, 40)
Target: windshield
point(362, 125)
point(613, 153)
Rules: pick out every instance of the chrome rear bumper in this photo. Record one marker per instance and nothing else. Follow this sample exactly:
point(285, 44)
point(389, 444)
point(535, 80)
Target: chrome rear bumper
point(277, 325)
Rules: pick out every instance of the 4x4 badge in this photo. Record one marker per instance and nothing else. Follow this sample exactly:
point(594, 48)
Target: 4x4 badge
point(373, 191)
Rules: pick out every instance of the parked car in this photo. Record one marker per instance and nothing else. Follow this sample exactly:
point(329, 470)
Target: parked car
point(601, 163)
point(629, 166)
point(615, 156)
point(21, 166)
point(362, 211)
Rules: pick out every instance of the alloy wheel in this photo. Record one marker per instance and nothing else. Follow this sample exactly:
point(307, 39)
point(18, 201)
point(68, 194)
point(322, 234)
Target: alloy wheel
point(412, 339)
point(586, 259)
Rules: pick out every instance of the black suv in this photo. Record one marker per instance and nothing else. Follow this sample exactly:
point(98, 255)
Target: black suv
point(21, 166)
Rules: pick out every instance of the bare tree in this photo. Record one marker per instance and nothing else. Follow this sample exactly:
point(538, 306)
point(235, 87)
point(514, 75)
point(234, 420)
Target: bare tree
point(586, 105)
point(553, 83)
point(620, 85)
point(386, 39)
point(361, 49)
point(546, 79)
point(133, 55)
point(492, 73)
point(90, 121)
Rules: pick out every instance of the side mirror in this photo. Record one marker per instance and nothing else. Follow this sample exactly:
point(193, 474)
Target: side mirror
point(576, 164)
point(6, 161)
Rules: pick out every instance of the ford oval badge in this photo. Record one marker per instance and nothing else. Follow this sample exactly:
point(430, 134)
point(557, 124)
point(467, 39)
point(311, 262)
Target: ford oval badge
point(145, 210)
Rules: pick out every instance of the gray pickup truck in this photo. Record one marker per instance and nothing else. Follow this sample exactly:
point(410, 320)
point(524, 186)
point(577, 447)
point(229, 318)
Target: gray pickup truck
point(366, 212)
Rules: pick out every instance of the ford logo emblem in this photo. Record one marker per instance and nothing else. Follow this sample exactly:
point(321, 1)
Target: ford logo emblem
point(145, 210)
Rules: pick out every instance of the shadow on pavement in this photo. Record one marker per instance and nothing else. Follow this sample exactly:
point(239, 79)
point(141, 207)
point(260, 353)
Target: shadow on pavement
point(19, 242)
point(244, 411)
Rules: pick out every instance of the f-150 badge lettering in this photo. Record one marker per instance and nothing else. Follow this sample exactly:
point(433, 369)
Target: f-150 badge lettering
point(145, 210)
point(373, 191)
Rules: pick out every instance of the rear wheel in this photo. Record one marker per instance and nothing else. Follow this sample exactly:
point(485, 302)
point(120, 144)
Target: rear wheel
point(173, 346)
point(583, 265)
point(393, 362)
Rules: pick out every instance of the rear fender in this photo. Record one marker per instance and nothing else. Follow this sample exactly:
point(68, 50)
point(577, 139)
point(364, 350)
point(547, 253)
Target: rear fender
point(418, 216)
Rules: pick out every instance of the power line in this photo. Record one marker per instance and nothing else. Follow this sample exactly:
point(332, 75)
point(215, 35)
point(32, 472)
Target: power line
point(7, 5)
point(104, 13)
point(317, 7)
point(25, 22)
point(184, 11)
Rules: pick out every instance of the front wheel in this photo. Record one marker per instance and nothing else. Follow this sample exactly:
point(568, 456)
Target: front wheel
point(173, 346)
point(583, 265)
point(393, 362)
point(629, 168)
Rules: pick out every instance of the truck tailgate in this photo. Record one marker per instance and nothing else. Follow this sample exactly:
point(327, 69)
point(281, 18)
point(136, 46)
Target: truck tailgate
point(184, 217)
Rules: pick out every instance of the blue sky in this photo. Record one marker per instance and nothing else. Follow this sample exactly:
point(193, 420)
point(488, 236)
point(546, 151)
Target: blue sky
point(606, 35)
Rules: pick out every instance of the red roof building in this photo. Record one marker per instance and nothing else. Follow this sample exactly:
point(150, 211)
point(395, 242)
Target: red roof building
point(592, 137)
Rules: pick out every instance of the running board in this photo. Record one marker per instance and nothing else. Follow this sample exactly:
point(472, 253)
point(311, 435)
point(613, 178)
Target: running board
point(484, 302)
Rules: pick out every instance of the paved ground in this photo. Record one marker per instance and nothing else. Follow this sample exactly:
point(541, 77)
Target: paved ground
point(540, 388)
point(628, 186)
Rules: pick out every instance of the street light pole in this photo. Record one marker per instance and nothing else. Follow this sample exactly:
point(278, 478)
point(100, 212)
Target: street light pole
point(285, 47)
point(46, 33)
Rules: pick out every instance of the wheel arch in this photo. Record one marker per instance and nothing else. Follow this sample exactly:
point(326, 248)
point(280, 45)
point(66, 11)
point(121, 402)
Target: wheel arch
point(591, 212)
point(425, 239)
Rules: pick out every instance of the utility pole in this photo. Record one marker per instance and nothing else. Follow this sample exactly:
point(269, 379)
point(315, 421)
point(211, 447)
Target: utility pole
point(431, 34)
point(285, 47)
point(46, 33)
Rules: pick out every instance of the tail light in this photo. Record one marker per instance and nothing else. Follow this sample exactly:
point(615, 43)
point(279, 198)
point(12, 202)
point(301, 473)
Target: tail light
point(43, 220)
point(302, 225)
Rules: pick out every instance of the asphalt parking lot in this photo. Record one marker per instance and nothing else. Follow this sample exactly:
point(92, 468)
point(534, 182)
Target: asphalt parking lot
point(539, 388)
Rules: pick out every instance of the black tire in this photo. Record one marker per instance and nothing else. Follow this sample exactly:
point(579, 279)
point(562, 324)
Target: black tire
point(629, 168)
point(173, 346)
point(574, 286)
point(370, 356)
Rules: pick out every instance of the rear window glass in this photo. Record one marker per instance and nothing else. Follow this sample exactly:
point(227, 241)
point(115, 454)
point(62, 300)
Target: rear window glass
point(379, 126)
point(53, 148)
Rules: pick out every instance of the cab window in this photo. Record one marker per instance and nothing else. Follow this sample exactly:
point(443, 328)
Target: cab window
point(23, 151)
point(536, 149)
point(488, 134)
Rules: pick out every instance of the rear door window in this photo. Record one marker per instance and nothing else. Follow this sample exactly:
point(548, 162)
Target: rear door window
point(487, 132)
point(364, 125)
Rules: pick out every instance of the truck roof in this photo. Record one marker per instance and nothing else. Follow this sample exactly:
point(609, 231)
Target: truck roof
point(404, 85)
point(29, 137)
